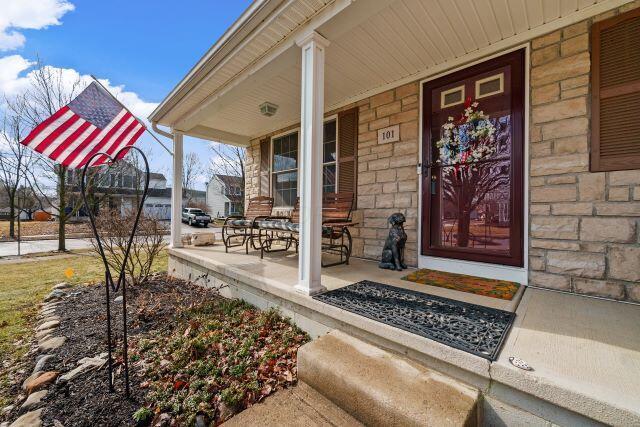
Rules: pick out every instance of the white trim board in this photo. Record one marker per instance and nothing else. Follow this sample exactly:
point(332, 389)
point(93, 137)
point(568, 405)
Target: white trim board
point(481, 269)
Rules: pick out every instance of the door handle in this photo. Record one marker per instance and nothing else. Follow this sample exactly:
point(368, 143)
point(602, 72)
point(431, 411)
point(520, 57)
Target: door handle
point(433, 184)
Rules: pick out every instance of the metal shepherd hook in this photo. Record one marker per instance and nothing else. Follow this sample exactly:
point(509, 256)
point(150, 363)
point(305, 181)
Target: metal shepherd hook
point(109, 284)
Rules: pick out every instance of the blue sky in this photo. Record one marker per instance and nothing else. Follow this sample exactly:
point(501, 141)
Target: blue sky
point(145, 46)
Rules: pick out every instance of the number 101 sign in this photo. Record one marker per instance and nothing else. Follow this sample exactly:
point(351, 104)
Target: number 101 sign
point(389, 134)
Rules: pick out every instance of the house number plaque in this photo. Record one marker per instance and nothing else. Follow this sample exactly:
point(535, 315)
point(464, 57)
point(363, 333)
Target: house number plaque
point(389, 134)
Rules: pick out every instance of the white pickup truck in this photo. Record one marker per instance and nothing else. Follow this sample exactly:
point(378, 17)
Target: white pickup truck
point(195, 216)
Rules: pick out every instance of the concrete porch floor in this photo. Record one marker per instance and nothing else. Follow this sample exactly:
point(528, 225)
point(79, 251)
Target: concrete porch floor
point(585, 352)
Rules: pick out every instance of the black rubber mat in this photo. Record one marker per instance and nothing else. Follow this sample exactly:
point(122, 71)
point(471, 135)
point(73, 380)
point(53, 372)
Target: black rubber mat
point(473, 328)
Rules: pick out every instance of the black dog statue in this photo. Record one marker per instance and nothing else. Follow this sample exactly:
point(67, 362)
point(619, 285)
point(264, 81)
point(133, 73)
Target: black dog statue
point(393, 251)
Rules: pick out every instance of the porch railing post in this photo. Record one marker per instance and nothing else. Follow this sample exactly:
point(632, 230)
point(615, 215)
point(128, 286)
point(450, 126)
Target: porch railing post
point(176, 192)
point(310, 169)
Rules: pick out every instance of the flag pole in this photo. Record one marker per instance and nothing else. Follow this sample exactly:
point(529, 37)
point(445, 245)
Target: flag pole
point(118, 101)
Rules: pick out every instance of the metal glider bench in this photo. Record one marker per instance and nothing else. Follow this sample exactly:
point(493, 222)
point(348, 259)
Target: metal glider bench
point(239, 230)
point(336, 220)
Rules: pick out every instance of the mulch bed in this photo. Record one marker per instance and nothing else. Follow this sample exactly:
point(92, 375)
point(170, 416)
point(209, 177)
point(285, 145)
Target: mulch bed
point(194, 357)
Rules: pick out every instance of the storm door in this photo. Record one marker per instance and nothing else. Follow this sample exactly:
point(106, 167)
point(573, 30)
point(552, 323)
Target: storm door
point(472, 192)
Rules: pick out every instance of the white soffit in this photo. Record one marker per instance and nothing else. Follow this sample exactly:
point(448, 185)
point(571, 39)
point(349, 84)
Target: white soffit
point(403, 41)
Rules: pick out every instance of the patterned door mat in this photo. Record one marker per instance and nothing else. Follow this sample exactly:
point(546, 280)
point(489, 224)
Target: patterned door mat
point(493, 288)
point(469, 327)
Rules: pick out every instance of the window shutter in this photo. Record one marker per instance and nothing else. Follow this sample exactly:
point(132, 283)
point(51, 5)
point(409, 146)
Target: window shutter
point(615, 83)
point(265, 152)
point(347, 150)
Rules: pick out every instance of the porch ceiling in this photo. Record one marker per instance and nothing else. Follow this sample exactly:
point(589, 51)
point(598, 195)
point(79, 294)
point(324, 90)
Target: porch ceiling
point(374, 44)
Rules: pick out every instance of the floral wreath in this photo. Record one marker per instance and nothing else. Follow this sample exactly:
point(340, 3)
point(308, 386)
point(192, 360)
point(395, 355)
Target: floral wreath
point(468, 139)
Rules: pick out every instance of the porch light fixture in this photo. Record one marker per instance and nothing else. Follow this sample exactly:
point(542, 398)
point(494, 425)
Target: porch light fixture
point(268, 109)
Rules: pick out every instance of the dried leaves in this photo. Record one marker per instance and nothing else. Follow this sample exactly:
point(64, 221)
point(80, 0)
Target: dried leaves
point(221, 358)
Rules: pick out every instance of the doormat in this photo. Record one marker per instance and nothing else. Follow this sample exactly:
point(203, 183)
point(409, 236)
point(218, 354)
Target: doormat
point(469, 327)
point(501, 289)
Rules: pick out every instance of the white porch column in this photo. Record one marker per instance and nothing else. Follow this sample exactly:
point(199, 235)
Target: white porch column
point(310, 168)
point(176, 192)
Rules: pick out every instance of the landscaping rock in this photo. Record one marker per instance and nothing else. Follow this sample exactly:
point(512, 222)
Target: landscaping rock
point(45, 339)
point(50, 305)
point(51, 318)
point(33, 400)
point(86, 364)
point(7, 409)
point(203, 239)
point(48, 312)
point(48, 325)
point(54, 295)
point(51, 344)
point(62, 285)
point(44, 333)
point(30, 419)
point(30, 378)
point(41, 381)
point(118, 299)
point(41, 362)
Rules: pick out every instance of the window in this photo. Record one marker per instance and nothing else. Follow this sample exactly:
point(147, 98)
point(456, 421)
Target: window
point(615, 85)
point(285, 170)
point(490, 86)
point(451, 97)
point(329, 157)
point(285, 165)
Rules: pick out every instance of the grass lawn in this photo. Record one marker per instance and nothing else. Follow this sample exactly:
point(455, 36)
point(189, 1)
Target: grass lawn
point(36, 228)
point(24, 285)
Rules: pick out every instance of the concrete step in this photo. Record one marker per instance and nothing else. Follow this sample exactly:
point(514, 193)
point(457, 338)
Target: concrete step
point(294, 407)
point(380, 388)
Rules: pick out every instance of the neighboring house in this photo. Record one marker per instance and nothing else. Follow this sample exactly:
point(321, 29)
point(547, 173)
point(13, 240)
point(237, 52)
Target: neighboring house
point(121, 188)
point(507, 134)
point(224, 196)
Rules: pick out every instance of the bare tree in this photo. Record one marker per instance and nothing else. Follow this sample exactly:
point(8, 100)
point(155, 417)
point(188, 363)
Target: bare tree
point(147, 243)
point(228, 160)
point(47, 93)
point(191, 171)
point(15, 158)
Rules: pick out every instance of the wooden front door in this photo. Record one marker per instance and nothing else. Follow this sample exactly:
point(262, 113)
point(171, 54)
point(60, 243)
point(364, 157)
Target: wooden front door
point(473, 166)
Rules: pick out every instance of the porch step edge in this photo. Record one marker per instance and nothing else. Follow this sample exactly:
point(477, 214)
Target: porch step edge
point(380, 388)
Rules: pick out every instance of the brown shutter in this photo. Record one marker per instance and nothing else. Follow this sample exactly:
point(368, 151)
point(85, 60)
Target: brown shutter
point(347, 150)
point(615, 83)
point(265, 152)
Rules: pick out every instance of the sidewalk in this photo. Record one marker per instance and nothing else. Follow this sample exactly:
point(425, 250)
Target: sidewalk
point(37, 246)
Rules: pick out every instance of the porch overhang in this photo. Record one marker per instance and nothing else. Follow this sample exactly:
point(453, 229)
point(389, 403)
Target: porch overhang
point(375, 45)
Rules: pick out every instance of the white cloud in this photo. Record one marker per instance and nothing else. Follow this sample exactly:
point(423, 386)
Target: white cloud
point(28, 14)
point(10, 69)
point(15, 79)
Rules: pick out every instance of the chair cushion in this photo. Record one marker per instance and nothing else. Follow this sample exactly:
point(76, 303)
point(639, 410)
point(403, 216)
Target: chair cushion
point(239, 223)
point(274, 225)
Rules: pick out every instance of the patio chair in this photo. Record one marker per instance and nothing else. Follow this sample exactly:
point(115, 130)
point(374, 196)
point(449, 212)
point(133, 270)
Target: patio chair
point(239, 230)
point(336, 220)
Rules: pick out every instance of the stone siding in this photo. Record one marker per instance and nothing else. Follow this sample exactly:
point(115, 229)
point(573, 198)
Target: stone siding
point(583, 226)
point(387, 175)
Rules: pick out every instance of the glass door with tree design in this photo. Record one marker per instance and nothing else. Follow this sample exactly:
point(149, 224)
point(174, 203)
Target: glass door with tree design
point(473, 163)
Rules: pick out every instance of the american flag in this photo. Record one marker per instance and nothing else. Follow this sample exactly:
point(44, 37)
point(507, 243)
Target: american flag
point(94, 121)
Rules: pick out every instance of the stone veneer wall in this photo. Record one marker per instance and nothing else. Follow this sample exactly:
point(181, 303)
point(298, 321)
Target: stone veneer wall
point(583, 225)
point(387, 175)
point(584, 230)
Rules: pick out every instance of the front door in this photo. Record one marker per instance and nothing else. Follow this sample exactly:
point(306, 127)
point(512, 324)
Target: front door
point(472, 192)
